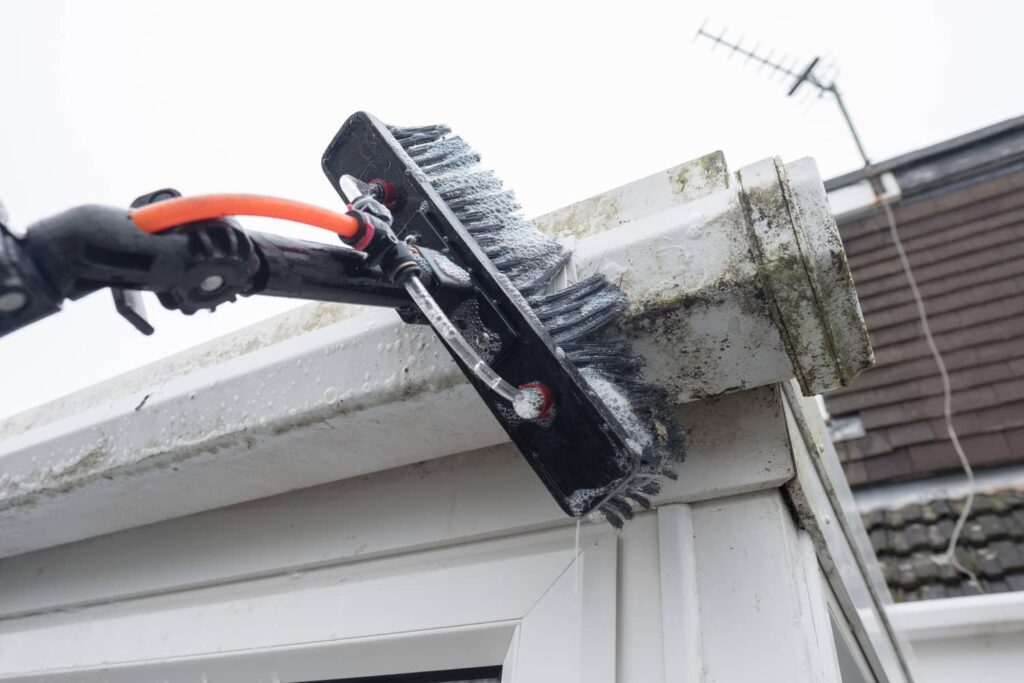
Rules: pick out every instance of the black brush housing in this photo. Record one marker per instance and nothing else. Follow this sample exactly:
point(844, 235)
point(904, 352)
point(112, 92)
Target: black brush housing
point(610, 436)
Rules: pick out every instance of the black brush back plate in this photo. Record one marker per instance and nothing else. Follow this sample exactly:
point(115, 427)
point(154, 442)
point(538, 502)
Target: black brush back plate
point(583, 446)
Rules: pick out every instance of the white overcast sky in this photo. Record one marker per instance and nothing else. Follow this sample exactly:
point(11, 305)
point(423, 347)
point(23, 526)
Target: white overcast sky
point(103, 100)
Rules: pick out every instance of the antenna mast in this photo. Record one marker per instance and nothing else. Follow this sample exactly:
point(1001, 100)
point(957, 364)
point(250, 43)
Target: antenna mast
point(807, 75)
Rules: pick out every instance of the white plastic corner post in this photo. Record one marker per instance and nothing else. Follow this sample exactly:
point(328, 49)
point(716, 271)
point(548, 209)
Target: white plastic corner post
point(742, 598)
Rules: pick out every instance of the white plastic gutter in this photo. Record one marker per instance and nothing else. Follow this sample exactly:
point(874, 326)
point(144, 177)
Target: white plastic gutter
point(735, 282)
point(964, 617)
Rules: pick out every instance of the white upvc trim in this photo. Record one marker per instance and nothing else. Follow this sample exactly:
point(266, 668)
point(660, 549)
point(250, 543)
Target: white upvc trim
point(457, 607)
point(680, 598)
point(960, 617)
point(853, 664)
point(822, 499)
point(858, 199)
point(945, 487)
point(763, 612)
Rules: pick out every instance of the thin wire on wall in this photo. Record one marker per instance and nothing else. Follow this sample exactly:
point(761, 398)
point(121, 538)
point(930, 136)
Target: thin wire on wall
point(947, 397)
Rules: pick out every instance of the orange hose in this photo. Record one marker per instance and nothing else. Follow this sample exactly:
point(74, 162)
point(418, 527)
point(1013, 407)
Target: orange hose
point(180, 210)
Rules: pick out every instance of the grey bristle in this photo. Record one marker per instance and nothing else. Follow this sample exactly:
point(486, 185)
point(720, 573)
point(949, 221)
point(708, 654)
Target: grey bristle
point(640, 499)
point(621, 507)
point(576, 316)
point(414, 136)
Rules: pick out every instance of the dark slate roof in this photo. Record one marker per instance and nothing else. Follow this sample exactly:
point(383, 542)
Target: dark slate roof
point(910, 541)
point(962, 221)
point(968, 155)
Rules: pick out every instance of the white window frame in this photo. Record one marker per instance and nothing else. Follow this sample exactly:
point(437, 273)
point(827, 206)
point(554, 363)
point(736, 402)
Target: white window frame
point(524, 602)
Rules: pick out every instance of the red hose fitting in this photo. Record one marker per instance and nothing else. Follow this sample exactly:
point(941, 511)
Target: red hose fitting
point(548, 398)
point(384, 192)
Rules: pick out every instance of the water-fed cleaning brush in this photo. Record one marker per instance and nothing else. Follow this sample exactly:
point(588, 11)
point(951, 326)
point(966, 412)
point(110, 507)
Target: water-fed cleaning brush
point(599, 436)
point(431, 234)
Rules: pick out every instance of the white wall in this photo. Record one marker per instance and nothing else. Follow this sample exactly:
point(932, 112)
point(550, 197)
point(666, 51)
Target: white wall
point(974, 659)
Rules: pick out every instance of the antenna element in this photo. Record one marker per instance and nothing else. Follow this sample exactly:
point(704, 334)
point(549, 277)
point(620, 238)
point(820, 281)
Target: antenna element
point(800, 77)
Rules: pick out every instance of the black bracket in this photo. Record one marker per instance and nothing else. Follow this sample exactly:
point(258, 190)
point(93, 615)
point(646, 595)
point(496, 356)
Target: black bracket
point(132, 308)
point(128, 302)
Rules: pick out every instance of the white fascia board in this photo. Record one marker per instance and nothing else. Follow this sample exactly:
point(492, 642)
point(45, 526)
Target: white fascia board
point(859, 199)
point(944, 487)
point(367, 393)
point(964, 617)
point(738, 444)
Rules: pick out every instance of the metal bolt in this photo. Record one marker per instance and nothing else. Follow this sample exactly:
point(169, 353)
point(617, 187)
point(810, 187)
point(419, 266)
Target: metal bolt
point(211, 283)
point(12, 301)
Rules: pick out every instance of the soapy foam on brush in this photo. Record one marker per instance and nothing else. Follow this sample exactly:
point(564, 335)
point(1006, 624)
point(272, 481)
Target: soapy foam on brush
point(451, 269)
point(529, 404)
point(621, 407)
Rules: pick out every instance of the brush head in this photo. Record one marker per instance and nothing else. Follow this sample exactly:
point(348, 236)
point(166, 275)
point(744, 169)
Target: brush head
point(610, 437)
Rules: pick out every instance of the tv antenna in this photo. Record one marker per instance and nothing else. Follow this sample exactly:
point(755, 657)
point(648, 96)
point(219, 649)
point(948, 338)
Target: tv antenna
point(785, 67)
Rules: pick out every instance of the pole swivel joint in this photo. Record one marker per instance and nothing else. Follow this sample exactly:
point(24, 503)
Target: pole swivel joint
point(375, 237)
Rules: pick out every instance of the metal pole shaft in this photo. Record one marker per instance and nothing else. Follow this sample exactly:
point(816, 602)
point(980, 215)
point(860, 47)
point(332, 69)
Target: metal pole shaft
point(849, 122)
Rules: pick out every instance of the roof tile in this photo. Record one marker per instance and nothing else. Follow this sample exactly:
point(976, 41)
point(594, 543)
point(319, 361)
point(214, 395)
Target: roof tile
point(942, 508)
point(973, 533)
point(875, 518)
point(894, 519)
point(995, 585)
point(954, 591)
point(908, 579)
point(982, 503)
point(879, 540)
point(889, 571)
point(993, 527)
point(1014, 528)
point(889, 466)
point(1015, 581)
point(948, 573)
point(911, 541)
point(856, 473)
point(912, 513)
point(926, 569)
point(937, 540)
point(966, 242)
point(1010, 555)
point(1013, 498)
point(898, 543)
point(917, 536)
point(988, 563)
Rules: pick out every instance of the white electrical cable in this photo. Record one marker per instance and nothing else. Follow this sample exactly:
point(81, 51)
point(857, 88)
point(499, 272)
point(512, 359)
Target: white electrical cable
point(947, 398)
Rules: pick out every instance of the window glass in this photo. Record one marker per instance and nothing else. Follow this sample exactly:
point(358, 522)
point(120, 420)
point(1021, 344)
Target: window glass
point(485, 675)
